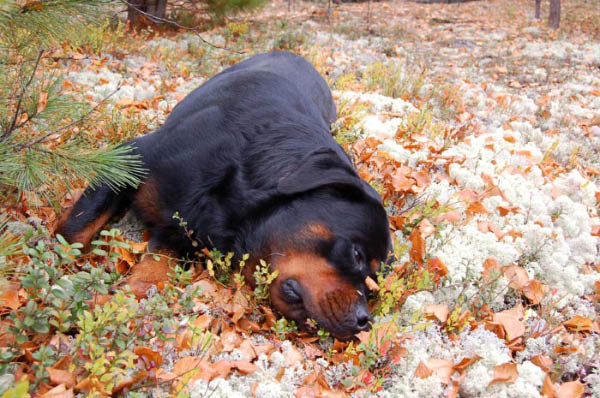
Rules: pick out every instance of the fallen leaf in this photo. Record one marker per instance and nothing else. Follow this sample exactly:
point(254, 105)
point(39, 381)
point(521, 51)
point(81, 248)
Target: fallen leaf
point(535, 291)
point(512, 326)
point(59, 376)
point(548, 388)
point(442, 368)
point(152, 356)
point(439, 311)
point(465, 363)
point(516, 275)
point(186, 364)
point(10, 297)
point(59, 391)
point(543, 362)
point(292, 356)
point(579, 324)
point(491, 269)
point(422, 371)
point(371, 284)
point(505, 373)
point(245, 367)
point(417, 249)
point(571, 389)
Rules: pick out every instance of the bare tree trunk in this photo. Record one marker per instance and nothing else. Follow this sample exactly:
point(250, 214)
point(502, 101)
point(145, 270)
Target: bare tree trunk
point(554, 17)
point(538, 7)
point(148, 8)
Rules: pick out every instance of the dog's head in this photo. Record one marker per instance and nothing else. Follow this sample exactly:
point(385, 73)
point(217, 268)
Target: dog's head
point(324, 242)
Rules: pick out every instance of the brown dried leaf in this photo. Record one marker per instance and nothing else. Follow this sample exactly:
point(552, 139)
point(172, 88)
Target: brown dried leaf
point(59, 376)
point(10, 297)
point(417, 249)
point(571, 389)
point(244, 367)
point(230, 340)
point(548, 388)
point(542, 361)
point(579, 324)
point(535, 291)
point(371, 284)
point(401, 183)
point(149, 354)
point(465, 363)
point(442, 368)
point(292, 356)
point(186, 364)
point(516, 275)
point(59, 391)
point(439, 311)
point(422, 371)
point(512, 326)
point(491, 269)
point(505, 373)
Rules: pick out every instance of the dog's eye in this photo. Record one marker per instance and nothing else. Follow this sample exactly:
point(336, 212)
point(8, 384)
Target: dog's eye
point(358, 255)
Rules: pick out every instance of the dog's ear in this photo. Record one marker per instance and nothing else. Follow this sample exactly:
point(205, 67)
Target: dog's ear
point(319, 168)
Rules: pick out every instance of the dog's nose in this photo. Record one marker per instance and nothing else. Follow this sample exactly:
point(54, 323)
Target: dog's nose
point(363, 318)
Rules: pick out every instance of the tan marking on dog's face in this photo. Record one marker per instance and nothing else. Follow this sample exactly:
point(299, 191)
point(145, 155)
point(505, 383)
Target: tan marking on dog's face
point(327, 297)
point(375, 265)
point(317, 230)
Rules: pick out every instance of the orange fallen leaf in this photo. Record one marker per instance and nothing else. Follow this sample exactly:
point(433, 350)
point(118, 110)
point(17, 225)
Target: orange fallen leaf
point(475, 208)
point(505, 373)
point(59, 376)
point(439, 311)
point(548, 388)
point(186, 364)
point(292, 356)
point(401, 183)
point(442, 368)
point(371, 284)
point(465, 363)
point(417, 249)
point(230, 340)
point(10, 297)
point(513, 326)
point(571, 389)
point(244, 367)
point(422, 371)
point(535, 291)
point(579, 324)
point(151, 355)
point(59, 391)
point(543, 362)
point(516, 275)
point(491, 269)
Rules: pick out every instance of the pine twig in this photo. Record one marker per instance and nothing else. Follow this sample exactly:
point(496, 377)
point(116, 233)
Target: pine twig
point(13, 124)
point(73, 123)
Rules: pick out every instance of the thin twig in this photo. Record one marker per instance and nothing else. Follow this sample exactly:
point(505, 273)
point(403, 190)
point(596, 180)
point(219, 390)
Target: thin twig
point(73, 123)
point(9, 131)
point(171, 22)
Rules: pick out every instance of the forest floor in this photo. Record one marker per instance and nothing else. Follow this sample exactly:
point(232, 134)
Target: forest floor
point(479, 127)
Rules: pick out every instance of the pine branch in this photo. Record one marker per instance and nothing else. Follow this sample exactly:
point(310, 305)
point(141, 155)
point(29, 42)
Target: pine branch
point(11, 128)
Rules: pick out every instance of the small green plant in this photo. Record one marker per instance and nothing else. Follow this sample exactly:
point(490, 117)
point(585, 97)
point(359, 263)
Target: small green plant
point(107, 245)
point(263, 279)
point(323, 334)
point(283, 327)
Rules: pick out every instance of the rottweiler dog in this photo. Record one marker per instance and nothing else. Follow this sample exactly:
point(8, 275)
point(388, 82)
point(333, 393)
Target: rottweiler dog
point(249, 162)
